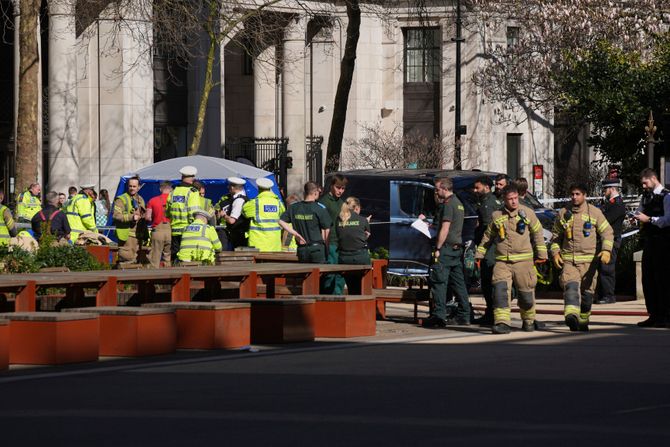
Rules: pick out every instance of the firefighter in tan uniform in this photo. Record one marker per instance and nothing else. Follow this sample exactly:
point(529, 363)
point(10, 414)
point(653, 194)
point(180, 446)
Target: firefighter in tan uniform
point(515, 229)
point(573, 248)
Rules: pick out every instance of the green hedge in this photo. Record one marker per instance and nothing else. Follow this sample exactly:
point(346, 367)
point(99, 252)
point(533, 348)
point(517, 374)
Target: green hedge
point(75, 258)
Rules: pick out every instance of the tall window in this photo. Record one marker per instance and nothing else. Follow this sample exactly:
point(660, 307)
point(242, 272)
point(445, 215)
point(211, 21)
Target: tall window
point(512, 37)
point(513, 155)
point(422, 55)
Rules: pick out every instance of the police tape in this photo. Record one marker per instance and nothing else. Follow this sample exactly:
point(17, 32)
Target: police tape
point(567, 199)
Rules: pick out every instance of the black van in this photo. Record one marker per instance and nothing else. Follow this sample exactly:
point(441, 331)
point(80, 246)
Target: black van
point(396, 198)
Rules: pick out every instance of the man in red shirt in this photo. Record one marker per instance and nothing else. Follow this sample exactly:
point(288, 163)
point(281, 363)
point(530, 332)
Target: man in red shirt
point(161, 236)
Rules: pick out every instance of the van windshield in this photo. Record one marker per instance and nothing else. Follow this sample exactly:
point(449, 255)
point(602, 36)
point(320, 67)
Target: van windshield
point(416, 199)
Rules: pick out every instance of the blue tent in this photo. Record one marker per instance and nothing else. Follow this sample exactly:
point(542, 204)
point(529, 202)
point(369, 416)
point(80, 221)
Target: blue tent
point(212, 172)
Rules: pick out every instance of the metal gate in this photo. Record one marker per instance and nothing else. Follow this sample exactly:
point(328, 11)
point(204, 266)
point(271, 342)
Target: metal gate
point(314, 159)
point(270, 154)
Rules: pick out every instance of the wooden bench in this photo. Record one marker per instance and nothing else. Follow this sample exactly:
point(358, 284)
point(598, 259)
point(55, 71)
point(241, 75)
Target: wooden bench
point(343, 316)
point(52, 338)
point(134, 331)
point(106, 283)
point(202, 325)
point(280, 320)
point(4, 344)
point(413, 296)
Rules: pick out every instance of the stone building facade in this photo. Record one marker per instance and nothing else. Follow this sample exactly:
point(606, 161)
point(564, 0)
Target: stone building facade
point(112, 108)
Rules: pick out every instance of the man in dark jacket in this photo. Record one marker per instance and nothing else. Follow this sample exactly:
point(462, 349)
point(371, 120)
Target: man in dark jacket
point(52, 218)
point(615, 212)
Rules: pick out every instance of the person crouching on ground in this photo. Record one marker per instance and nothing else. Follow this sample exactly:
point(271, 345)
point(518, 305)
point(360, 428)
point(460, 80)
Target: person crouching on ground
point(199, 241)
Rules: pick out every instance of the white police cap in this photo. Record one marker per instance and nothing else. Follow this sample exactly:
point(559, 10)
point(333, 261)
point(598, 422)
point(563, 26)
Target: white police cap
point(188, 171)
point(200, 212)
point(264, 183)
point(236, 181)
point(87, 186)
point(611, 182)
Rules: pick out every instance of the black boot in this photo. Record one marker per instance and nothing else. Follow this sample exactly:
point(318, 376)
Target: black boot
point(572, 321)
point(501, 328)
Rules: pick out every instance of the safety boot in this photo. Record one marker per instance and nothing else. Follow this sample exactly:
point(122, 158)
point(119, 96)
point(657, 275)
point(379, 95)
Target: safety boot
point(501, 328)
point(528, 326)
point(572, 321)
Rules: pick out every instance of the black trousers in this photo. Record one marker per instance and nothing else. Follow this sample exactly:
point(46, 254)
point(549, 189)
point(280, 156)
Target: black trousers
point(655, 277)
point(607, 274)
point(174, 246)
point(486, 278)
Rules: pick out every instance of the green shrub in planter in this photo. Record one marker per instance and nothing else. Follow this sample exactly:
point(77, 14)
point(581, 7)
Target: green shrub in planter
point(379, 253)
point(74, 257)
point(17, 260)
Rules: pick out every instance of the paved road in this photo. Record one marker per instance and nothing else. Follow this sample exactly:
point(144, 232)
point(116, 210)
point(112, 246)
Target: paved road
point(443, 387)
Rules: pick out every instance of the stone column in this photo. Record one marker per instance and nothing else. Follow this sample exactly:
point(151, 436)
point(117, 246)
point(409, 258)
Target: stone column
point(63, 151)
point(125, 79)
point(293, 93)
point(265, 94)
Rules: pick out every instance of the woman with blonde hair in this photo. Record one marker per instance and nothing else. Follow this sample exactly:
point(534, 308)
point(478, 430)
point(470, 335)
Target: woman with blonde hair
point(353, 231)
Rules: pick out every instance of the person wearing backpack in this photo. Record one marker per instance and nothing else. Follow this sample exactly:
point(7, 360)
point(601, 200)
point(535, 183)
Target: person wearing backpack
point(52, 219)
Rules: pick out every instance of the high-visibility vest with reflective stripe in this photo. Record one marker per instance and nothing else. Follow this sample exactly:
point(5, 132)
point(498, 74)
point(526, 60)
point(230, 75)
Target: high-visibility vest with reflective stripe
point(126, 227)
point(199, 241)
point(27, 205)
point(80, 216)
point(179, 207)
point(264, 230)
point(511, 243)
point(6, 222)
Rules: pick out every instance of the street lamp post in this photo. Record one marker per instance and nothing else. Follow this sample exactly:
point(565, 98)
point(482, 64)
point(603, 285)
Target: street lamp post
point(459, 129)
point(650, 129)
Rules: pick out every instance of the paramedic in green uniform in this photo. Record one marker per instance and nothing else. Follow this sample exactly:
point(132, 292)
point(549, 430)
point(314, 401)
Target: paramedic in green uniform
point(353, 231)
point(333, 283)
point(309, 222)
point(447, 268)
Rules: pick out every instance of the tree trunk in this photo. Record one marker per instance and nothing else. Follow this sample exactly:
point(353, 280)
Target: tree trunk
point(209, 84)
point(347, 65)
point(29, 96)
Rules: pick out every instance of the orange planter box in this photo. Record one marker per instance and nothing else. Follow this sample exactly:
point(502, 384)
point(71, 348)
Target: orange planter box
point(204, 325)
point(134, 331)
point(280, 320)
point(338, 316)
point(52, 338)
point(4, 344)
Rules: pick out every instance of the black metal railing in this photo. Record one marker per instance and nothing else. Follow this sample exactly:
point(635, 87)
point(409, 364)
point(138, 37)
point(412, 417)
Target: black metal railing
point(270, 154)
point(314, 159)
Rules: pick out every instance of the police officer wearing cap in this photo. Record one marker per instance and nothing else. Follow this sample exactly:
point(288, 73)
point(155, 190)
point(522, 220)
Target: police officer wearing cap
point(81, 213)
point(615, 211)
point(309, 222)
point(263, 213)
point(654, 217)
point(180, 205)
point(229, 209)
point(199, 241)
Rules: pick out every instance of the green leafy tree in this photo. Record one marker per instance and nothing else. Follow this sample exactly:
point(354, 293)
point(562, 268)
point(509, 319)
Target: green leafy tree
point(614, 90)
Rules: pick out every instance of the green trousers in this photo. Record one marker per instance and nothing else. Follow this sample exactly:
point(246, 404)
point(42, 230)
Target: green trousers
point(312, 254)
point(448, 271)
point(332, 284)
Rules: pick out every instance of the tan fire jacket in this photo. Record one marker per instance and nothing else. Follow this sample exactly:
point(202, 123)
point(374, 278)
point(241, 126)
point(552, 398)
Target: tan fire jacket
point(514, 237)
point(572, 238)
